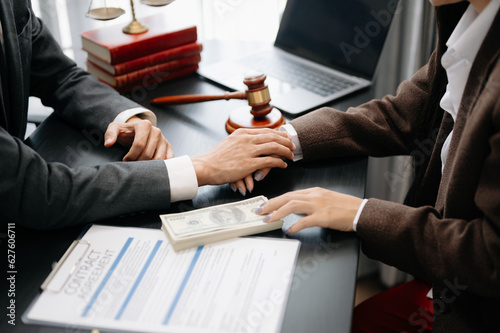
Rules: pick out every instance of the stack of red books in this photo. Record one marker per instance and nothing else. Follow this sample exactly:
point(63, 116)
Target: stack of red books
point(126, 61)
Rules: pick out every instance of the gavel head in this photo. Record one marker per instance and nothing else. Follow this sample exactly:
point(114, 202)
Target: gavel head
point(261, 115)
point(258, 95)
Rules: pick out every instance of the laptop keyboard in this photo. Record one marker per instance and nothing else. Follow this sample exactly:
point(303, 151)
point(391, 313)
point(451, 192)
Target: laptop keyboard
point(297, 73)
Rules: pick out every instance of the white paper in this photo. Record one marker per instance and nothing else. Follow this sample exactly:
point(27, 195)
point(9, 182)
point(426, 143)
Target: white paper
point(131, 280)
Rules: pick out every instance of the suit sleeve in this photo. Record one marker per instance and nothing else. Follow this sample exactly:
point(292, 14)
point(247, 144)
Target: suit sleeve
point(75, 94)
point(382, 127)
point(42, 195)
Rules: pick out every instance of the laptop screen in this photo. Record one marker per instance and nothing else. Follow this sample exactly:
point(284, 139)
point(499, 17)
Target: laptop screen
point(343, 34)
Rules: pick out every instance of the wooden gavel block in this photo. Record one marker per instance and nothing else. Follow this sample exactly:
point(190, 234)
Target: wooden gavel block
point(260, 115)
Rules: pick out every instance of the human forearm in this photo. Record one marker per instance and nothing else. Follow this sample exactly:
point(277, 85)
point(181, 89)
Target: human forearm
point(384, 127)
point(44, 195)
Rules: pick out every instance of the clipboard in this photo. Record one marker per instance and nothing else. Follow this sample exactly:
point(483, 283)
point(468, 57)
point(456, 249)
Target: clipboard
point(67, 264)
point(159, 285)
point(64, 267)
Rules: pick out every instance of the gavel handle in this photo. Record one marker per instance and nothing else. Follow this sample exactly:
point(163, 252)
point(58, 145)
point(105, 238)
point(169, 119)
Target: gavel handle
point(186, 99)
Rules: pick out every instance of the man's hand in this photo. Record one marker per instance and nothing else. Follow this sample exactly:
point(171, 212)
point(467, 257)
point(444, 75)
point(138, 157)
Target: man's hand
point(323, 208)
point(247, 183)
point(242, 153)
point(146, 141)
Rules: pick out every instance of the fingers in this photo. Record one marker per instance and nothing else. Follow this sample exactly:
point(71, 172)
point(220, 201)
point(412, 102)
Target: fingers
point(292, 202)
point(249, 184)
point(240, 187)
point(265, 162)
point(324, 208)
point(265, 135)
point(161, 150)
point(294, 206)
point(283, 205)
point(148, 143)
point(259, 131)
point(243, 186)
point(170, 150)
point(275, 204)
point(303, 223)
point(286, 204)
point(274, 136)
point(155, 142)
point(233, 186)
point(140, 140)
point(261, 174)
point(238, 156)
point(111, 134)
point(273, 148)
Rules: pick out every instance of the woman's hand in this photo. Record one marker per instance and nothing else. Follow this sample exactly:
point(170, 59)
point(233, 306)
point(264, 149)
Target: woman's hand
point(323, 208)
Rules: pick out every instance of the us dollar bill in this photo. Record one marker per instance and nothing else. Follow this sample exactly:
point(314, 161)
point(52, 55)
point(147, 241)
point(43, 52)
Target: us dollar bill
point(214, 218)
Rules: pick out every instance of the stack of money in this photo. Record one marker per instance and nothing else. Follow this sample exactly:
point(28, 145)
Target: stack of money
point(216, 223)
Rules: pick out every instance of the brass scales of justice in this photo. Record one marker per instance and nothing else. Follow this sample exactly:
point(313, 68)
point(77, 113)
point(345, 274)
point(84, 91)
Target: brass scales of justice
point(104, 10)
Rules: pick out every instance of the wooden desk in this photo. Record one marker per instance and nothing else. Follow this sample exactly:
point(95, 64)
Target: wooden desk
point(323, 287)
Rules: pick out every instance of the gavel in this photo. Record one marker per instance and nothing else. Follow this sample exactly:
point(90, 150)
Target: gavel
point(261, 115)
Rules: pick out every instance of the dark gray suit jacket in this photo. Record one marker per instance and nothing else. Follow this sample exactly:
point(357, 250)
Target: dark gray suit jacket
point(46, 195)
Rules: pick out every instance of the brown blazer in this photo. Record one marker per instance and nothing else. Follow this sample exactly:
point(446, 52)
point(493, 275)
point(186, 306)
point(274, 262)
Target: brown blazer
point(452, 235)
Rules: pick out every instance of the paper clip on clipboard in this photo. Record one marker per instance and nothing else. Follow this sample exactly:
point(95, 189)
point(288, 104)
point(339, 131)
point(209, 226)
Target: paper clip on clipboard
point(65, 268)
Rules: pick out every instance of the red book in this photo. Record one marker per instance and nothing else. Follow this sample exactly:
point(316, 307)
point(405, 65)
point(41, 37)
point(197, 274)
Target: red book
point(153, 81)
point(183, 51)
point(114, 46)
point(139, 75)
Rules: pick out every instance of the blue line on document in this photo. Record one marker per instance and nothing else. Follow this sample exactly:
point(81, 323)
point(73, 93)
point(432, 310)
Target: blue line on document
point(106, 278)
point(138, 280)
point(183, 285)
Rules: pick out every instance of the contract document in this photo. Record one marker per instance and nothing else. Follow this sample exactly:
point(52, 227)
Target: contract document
point(130, 279)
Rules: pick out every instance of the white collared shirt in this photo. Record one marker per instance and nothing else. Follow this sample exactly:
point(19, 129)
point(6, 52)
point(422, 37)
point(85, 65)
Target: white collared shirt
point(463, 46)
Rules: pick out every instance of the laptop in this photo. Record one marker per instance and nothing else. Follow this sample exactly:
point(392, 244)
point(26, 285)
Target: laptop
point(324, 49)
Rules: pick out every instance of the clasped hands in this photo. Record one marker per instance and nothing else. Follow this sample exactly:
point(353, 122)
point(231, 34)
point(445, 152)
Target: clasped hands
point(234, 160)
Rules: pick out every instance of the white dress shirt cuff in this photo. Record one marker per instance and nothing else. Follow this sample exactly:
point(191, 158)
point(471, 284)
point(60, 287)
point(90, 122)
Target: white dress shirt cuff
point(140, 112)
point(358, 214)
point(182, 177)
point(295, 139)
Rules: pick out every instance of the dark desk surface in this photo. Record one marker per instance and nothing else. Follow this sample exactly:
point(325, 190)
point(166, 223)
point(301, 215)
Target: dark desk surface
point(323, 287)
